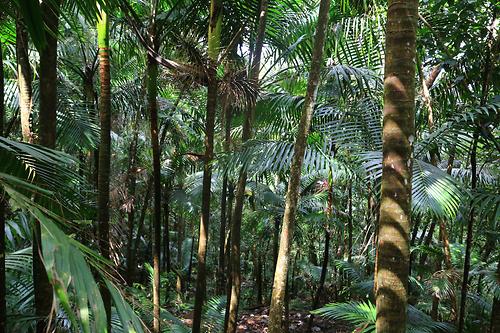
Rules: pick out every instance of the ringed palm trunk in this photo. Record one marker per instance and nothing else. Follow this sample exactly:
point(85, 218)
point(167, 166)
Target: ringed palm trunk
point(24, 78)
point(234, 297)
point(104, 149)
point(214, 35)
point(398, 135)
point(47, 135)
point(277, 308)
point(3, 304)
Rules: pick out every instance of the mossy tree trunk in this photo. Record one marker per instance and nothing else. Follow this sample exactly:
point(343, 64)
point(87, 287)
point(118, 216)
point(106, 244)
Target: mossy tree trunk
point(277, 308)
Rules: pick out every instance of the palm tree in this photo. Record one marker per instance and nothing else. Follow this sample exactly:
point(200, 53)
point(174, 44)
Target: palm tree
point(234, 297)
point(214, 38)
point(398, 136)
point(104, 148)
point(277, 308)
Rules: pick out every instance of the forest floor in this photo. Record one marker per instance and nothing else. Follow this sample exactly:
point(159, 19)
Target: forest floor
point(256, 321)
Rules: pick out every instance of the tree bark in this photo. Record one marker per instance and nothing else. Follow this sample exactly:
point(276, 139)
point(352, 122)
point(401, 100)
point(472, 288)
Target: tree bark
point(214, 34)
point(24, 80)
point(398, 136)
point(47, 136)
point(280, 276)
point(103, 174)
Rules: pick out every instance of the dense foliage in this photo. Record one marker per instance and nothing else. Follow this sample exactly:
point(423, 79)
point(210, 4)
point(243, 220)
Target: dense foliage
point(202, 114)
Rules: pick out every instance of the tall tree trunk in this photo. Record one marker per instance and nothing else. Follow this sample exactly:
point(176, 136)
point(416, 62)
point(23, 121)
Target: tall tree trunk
point(398, 136)
point(104, 149)
point(485, 85)
point(24, 79)
point(47, 135)
point(153, 113)
point(292, 196)
point(224, 212)
point(234, 297)
point(3, 304)
point(214, 35)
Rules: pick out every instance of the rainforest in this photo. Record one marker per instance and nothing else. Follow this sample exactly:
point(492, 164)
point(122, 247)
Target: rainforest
point(267, 166)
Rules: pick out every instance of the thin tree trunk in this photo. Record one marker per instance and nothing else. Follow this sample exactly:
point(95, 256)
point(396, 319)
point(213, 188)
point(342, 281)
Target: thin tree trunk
point(190, 267)
point(258, 277)
point(398, 136)
point(485, 84)
point(349, 223)
point(468, 244)
point(214, 35)
point(280, 276)
point(427, 242)
point(47, 136)
point(3, 292)
point(132, 185)
point(234, 297)
point(104, 149)
point(24, 79)
point(140, 224)
point(166, 229)
point(322, 278)
point(180, 240)
point(221, 272)
point(153, 113)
